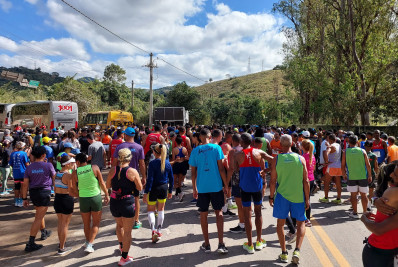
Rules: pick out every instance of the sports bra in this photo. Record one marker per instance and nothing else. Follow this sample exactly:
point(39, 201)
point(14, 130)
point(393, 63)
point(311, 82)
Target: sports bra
point(58, 181)
point(180, 154)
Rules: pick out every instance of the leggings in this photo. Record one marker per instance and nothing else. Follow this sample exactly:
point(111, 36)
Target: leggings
point(312, 188)
point(376, 257)
point(291, 224)
point(5, 172)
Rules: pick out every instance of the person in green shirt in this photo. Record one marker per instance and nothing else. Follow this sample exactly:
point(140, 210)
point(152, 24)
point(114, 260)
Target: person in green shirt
point(374, 166)
point(86, 184)
point(355, 165)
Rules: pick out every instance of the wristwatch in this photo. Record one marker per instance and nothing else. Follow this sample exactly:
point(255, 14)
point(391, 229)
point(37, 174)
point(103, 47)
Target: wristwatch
point(271, 197)
point(25, 198)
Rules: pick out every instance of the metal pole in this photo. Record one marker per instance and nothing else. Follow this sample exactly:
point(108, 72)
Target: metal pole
point(132, 95)
point(150, 91)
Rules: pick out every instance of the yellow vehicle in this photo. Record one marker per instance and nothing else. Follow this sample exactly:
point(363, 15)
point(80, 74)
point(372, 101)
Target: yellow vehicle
point(107, 118)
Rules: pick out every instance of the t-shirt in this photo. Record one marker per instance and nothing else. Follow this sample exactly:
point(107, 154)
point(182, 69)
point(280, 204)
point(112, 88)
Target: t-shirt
point(310, 167)
point(84, 144)
point(114, 144)
point(269, 136)
point(323, 148)
point(372, 161)
point(136, 150)
point(49, 152)
point(96, 150)
point(40, 175)
point(18, 160)
point(205, 158)
point(393, 152)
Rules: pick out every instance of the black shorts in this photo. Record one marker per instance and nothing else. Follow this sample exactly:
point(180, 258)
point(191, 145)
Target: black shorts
point(63, 203)
point(361, 183)
point(123, 207)
point(216, 199)
point(247, 198)
point(236, 191)
point(158, 193)
point(17, 184)
point(40, 197)
point(180, 167)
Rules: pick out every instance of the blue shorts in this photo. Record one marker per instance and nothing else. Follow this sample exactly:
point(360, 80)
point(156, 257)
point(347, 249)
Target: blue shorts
point(236, 191)
point(282, 207)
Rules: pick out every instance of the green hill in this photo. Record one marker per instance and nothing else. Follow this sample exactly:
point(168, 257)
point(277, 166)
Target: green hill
point(269, 84)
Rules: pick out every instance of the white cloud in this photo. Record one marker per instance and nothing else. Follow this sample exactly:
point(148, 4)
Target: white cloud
point(5, 5)
point(32, 2)
point(220, 47)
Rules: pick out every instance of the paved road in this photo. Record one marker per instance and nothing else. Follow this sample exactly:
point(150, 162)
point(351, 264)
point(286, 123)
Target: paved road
point(334, 240)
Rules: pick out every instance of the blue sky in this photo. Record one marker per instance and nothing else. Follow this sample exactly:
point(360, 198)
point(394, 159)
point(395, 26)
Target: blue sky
point(209, 39)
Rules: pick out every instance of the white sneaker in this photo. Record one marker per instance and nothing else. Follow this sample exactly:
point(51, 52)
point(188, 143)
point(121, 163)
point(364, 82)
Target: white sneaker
point(16, 203)
point(291, 238)
point(89, 248)
point(181, 196)
point(353, 215)
point(3, 194)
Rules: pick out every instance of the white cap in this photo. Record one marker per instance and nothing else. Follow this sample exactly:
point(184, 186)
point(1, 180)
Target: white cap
point(306, 133)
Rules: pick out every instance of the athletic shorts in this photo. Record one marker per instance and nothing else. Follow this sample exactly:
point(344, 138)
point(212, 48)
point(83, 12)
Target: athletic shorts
point(63, 203)
point(361, 186)
point(18, 184)
point(123, 207)
point(88, 204)
point(334, 171)
point(180, 167)
point(373, 183)
point(282, 207)
point(215, 198)
point(106, 147)
point(324, 170)
point(158, 193)
point(236, 191)
point(40, 197)
point(247, 198)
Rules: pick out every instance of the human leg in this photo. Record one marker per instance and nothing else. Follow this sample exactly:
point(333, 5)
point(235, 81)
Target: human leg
point(86, 217)
point(96, 219)
point(258, 221)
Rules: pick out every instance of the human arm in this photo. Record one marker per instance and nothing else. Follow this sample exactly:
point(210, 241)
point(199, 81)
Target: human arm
point(141, 164)
point(343, 170)
point(25, 187)
point(194, 176)
point(368, 168)
point(376, 165)
point(189, 146)
point(380, 228)
point(90, 153)
point(111, 174)
point(269, 150)
point(74, 192)
point(134, 176)
point(306, 183)
point(149, 181)
point(98, 174)
point(272, 183)
point(171, 181)
point(221, 169)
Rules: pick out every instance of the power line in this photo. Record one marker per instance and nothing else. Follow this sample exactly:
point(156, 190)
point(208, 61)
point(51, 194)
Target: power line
point(123, 39)
point(103, 27)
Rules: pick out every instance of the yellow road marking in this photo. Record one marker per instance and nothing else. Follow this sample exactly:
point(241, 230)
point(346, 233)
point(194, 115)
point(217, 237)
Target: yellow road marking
point(330, 245)
point(320, 253)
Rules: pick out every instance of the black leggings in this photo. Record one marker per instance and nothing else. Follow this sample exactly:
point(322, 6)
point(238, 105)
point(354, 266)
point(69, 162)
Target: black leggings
point(312, 188)
point(291, 224)
point(376, 257)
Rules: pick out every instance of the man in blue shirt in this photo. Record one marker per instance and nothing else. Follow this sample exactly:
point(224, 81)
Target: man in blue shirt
point(49, 151)
point(207, 172)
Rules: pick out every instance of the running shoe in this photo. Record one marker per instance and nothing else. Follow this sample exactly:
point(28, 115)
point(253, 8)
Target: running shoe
point(16, 203)
point(64, 250)
point(291, 238)
point(237, 230)
point(222, 249)
point(137, 225)
point(181, 196)
point(249, 249)
point(155, 237)
point(85, 244)
point(283, 258)
point(259, 245)
point(324, 200)
point(125, 261)
point(32, 247)
point(194, 200)
point(45, 234)
point(232, 206)
point(337, 201)
point(52, 193)
point(205, 248)
point(3, 194)
point(89, 248)
point(353, 215)
point(230, 213)
point(296, 257)
point(308, 223)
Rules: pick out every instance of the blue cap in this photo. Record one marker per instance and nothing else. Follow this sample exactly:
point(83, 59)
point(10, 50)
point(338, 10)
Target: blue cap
point(129, 131)
point(54, 129)
point(75, 151)
point(67, 144)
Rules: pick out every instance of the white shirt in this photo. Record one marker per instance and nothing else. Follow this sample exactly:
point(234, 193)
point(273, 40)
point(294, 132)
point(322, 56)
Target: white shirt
point(323, 148)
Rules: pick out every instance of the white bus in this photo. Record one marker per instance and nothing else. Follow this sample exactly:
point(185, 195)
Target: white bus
point(5, 116)
point(50, 113)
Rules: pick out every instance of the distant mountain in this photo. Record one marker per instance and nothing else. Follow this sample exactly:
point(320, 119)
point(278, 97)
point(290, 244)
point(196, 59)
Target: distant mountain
point(164, 90)
point(32, 74)
point(86, 79)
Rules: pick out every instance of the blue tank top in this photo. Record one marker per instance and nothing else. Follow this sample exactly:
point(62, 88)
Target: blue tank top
point(249, 172)
point(180, 154)
point(58, 181)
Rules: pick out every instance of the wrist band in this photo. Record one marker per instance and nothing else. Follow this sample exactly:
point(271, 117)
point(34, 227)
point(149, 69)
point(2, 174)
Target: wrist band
point(25, 198)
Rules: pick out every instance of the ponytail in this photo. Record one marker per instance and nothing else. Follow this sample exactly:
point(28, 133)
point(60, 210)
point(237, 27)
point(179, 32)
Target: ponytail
point(163, 155)
point(309, 146)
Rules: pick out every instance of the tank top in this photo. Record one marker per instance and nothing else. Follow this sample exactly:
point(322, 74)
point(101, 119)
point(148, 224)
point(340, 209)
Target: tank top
point(88, 183)
point(378, 149)
point(153, 137)
point(290, 177)
point(264, 147)
point(355, 161)
point(120, 184)
point(388, 240)
point(58, 181)
point(310, 167)
point(335, 158)
point(180, 154)
point(249, 172)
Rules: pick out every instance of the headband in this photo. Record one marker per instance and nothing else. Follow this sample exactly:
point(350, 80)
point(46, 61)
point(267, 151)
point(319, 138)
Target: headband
point(71, 160)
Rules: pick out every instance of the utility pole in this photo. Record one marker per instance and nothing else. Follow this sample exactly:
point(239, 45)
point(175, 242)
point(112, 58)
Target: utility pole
point(132, 95)
point(150, 66)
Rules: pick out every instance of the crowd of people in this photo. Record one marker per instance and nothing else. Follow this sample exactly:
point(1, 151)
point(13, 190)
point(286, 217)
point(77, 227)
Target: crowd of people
point(230, 169)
